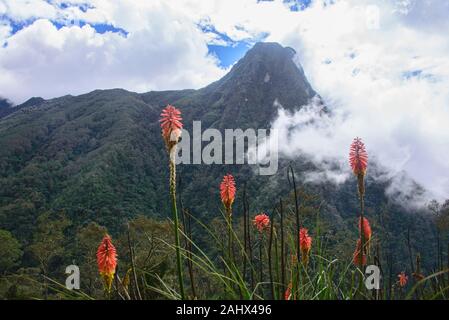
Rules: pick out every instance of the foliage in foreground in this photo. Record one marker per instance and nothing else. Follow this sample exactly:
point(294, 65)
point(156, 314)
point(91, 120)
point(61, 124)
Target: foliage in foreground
point(283, 253)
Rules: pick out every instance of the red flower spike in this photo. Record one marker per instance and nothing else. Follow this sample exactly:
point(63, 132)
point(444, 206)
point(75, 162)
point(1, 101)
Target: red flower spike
point(305, 241)
point(261, 222)
point(305, 244)
point(227, 192)
point(366, 229)
point(107, 260)
point(403, 279)
point(357, 252)
point(171, 125)
point(358, 157)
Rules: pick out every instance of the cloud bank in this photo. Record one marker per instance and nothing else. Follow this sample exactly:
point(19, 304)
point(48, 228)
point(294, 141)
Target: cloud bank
point(55, 54)
point(386, 81)
point(381, 67)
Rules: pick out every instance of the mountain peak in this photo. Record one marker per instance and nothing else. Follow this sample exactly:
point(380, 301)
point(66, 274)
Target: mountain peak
point(272, 50)
point(267, 73)
point(269, 64)
point(271, 57)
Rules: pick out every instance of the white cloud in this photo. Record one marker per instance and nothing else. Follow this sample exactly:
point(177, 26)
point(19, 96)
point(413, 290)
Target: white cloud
point(5, 31)
point(362, 75)
point(24, 9)
point(386, 81)
point(163, 50)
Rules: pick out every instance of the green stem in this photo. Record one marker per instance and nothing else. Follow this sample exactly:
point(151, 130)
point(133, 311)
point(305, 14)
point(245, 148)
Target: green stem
point(276, 266)
point(245, 238)
point(361, 188)
point(298, 228)
point(284, 285)
point(260, 257)
point(250, 246)
point(176, 226)
point(229, 216)
point(270, 245)
point(362, 234)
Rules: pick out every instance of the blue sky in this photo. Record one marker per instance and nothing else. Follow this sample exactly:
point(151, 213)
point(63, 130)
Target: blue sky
point(235, 50)
point(99, 27)
point(227, 54)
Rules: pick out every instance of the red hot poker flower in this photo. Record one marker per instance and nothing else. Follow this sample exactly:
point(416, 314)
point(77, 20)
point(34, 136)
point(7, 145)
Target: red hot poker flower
point(366, 229)
point(261, 222)
point(403, 279)
point(107, 260)
point(106, 256)
point(227, 192)
point(305, 241)
point(358, 157)
point(288, 292)
point(305, 244)
point(171, 125)
point(358, 251)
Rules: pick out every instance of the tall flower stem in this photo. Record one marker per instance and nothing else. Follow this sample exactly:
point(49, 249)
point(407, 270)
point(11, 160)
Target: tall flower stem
point(229, 221)
point(281, 209)
point(362, 219)
point(270, 245)
point(409, 246)
point(260, 257)
point(261, 223)
point(250, 246)
point(358, 160)
point(279, 288)
point(176, 226)
point(171, 127)
point(298, 226)
point(245, 237)
point(227, 194)
point(186, 224)
point(418, 272)
point(361, 192)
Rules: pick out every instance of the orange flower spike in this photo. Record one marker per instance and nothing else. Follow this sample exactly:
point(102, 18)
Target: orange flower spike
point(305, 244)
point(107, 260)
point(227, 192)
point(403, 279)
point(261, 222)
point(357, 253)
point(305, 241)
point(366, 228)
point(171, 125)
